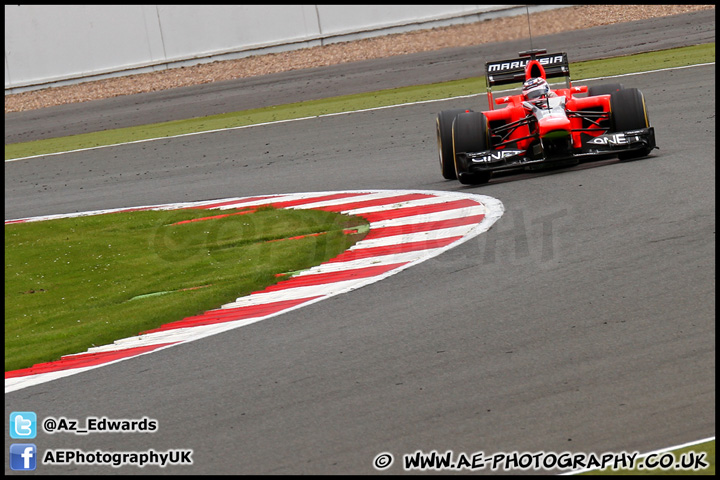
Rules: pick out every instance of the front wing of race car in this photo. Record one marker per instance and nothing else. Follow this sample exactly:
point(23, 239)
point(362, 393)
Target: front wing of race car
point(471, 163)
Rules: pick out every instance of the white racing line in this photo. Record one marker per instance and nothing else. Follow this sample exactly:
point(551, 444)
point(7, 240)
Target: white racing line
point(406, 227)
point(331, 115)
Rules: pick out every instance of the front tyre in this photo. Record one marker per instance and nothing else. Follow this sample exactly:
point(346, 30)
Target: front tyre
point(469, 134)
point(604, 89)
point(628, 112)
point(443, 124)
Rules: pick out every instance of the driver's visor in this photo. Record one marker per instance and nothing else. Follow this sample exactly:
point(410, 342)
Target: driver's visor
point(537, 93)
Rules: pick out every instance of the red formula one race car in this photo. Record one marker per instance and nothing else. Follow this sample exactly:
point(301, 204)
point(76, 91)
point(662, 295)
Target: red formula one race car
point(541, 127)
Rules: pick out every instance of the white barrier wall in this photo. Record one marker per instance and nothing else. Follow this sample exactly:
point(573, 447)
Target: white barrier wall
point(56, 44)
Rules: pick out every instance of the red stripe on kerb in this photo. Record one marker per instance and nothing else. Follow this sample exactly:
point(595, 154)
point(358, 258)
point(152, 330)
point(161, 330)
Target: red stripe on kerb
point(420, 210)
point(82, 360)
point(332, 277)
point(376, 202)
point(229, 202)
point(324, 198)
point(231, 314)
point(423, 227)
point(290, 203)
point(349, 255)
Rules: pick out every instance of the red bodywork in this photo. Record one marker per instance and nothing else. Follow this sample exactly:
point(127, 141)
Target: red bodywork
point(556, 128)
point(521, 137)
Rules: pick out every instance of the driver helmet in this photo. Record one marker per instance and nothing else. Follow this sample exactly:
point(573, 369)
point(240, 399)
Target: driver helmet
point(535, 89)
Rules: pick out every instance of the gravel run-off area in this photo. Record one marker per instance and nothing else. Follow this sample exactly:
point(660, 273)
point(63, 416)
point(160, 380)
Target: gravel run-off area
point(488, 31)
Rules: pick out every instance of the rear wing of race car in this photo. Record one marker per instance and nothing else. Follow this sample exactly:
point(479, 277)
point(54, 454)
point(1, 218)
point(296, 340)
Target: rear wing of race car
point(504, 72)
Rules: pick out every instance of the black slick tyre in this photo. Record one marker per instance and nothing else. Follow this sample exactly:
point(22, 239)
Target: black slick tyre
point(443, 124)
point(469, 134)
point(628, 112)
point(604, 89)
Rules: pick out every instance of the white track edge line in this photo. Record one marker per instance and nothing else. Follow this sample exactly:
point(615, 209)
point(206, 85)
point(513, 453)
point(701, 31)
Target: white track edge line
point(329, 115)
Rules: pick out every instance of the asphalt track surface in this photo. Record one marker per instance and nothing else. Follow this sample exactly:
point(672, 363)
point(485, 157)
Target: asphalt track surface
point(583, 321)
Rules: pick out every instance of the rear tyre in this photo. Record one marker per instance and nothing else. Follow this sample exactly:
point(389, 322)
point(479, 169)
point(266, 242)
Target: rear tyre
point(604, 89)
point(443, 124)
point(469, 134)
point(628, 112)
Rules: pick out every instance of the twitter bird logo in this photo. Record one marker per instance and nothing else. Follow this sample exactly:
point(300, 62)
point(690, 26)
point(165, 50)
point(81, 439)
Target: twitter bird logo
point(23, 425)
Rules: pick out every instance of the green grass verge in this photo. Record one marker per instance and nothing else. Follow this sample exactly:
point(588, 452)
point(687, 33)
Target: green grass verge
point(74, 283)
point(657, 464)
point(592, 69)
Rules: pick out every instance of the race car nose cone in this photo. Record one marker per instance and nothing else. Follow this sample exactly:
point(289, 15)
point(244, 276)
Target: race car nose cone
point(554, 127)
